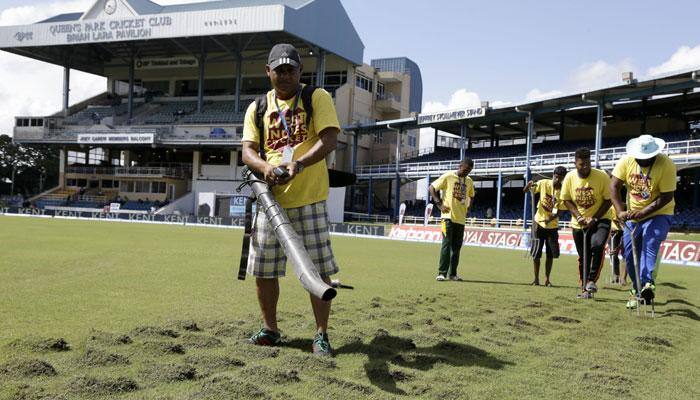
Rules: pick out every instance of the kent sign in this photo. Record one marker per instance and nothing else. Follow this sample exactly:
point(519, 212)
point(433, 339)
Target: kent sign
point(453, 115)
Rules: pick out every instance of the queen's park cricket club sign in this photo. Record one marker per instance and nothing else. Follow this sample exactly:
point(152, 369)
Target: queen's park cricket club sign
point(145, 27)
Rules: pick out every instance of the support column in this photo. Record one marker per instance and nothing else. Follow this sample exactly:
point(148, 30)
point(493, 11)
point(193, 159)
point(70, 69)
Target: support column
point(355, 143)
point(499, 191)
point(562, 125)
point(233, 164)
point(353, 166)
point(696, 188)
point(62, 168)
point(370, 196)
point(130, 104)
point(599, 133)
point(528, 173)
point(321, 68)
point(66, 90)
point(397, 189)
point(239, 76)
point(435, 144)
point(196, 157)
point(643, 128)
point(462, 140)
point(200, 88)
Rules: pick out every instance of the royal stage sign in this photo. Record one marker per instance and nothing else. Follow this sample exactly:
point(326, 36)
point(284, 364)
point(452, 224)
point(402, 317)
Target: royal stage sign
point(452, 115)
point(672, 251)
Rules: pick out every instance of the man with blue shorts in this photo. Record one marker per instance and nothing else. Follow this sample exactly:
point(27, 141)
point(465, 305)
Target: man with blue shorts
point(650, 178)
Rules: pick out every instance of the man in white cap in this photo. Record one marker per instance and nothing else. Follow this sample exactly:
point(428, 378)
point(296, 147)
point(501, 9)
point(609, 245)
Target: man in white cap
point(650, 178)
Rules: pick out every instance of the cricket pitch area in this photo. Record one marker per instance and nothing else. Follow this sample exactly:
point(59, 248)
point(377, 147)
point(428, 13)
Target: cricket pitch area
point(137, 311)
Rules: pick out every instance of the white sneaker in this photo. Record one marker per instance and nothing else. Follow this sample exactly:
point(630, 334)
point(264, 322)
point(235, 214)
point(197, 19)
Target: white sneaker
point(440, 278)
point(456, 278)
point(591, 287)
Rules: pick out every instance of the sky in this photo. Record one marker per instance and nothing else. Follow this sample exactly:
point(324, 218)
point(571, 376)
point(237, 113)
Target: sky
point(505, 52)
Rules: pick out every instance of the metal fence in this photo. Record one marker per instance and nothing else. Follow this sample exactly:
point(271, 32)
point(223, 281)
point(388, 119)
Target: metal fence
point(682, 152)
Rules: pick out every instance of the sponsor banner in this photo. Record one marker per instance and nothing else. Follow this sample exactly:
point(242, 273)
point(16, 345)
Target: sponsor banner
point(161, 63)
point(237, 205)
point(672, 251)
point(349, 229)
point(452, 115)
point(132, 138)
point(175, 219)
point(357, 229)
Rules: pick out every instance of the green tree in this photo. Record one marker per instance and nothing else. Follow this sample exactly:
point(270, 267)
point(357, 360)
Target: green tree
point(35, 167)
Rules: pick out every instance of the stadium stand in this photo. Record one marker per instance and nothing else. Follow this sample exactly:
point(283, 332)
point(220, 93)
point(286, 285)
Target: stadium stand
point(218, 112)
point(167, 113)
point(553, 147)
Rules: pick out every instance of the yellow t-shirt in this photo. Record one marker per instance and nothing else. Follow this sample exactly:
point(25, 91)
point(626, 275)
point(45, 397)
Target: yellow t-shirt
point(615, 226)
point(311, 185)
point(458, 194)
point(645, 185)
point(587, 193)
point(550, 200)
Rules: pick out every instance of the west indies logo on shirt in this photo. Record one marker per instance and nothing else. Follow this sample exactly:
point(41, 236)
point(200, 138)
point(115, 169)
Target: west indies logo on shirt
point(459, 192)
point(639, 187)
point(548, 202)
point(277, 136)
point(585, 197)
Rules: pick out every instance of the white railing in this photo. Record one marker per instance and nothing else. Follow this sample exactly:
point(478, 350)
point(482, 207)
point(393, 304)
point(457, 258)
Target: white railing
point(472, 222)
point(75, 197)
point(237, 136)
point(76, 130)
point(360, 217)
point(677, 150)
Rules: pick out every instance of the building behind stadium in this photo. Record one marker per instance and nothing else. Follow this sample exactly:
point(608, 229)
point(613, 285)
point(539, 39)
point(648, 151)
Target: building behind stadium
point(165, 135)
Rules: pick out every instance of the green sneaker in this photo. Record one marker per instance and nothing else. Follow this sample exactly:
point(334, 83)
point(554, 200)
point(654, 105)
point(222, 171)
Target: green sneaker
point(632, 303)
point(648, 292)
point(266, 338)
point(321, 346)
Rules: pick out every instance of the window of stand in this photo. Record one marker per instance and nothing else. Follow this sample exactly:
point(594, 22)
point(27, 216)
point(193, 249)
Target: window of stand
point(332, 80)
point(380, 90)
point(97, 156)
point(156, 187)
point(76, 157)
point(363, 82)
point(216, 157)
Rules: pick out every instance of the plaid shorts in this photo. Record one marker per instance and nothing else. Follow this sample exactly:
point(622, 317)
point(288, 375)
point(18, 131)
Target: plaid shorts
point(267, 258)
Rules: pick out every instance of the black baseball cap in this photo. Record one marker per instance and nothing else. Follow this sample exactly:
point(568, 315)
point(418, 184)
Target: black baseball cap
point(283, 53)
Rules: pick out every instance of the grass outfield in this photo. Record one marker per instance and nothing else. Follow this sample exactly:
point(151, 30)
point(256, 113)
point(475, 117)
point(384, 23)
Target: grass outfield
point(155, 312)
point(684, 236)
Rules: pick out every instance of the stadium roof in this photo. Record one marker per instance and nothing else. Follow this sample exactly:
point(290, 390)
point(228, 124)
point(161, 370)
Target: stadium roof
point(116, 29)
point(660, 96)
